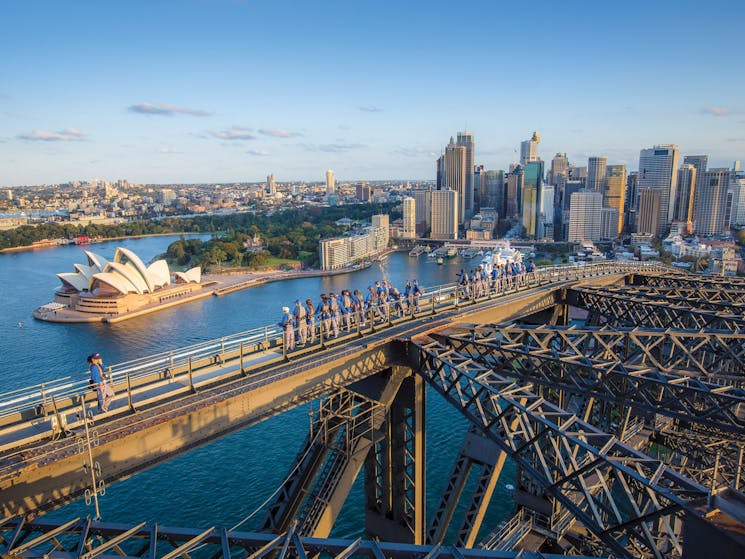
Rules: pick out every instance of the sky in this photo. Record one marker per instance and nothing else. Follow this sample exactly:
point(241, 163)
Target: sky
point(189, 91)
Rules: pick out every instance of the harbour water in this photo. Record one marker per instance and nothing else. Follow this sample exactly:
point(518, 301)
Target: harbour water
point(221, 483)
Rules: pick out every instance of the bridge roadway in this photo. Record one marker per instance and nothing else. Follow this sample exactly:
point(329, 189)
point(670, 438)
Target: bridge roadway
point(171, 403)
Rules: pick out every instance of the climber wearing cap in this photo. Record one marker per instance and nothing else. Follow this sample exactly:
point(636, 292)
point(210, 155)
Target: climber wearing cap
point(288, 328)
point(98, 380)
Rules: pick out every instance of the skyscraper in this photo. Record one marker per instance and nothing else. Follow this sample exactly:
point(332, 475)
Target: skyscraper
point(409, 211)
point(546, 225)
point(271, 187)
point(596, 173)
point(440, 169)
point(444, 214)
point(513, 197)
point(648, 212)
point(455, 174)
point(492, 191)
point(631, 201)
point(614, 192)
point(465, 140)
point(687, 177)
point(529, 149)
point(698, 161)
point(559, 169)
point(330, 183)
point(585, 216)
point(710, 202)
point(362, 192)
point(423, 204)
point(658, 170)
point(532, 186)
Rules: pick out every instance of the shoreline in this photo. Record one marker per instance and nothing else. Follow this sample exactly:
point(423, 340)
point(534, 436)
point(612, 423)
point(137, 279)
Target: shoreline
point(53, 244)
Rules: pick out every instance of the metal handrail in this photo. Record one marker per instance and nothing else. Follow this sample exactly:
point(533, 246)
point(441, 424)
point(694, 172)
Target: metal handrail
point(37, 396)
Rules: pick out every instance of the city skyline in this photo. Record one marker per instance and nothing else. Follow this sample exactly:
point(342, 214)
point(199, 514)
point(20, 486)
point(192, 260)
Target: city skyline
point(231, 91)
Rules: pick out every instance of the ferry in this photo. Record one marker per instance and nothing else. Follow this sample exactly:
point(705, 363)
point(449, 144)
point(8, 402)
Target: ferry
point(416, 251)
point(502, 253)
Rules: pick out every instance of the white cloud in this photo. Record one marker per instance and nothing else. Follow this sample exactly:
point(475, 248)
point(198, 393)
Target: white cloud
point(279, 133)
point(234, 133)
point(168, 150)
point(370, 109)
point(164, 109)
point(717, 111)
point(333, 148)
point(66, 135)
point(258, 152)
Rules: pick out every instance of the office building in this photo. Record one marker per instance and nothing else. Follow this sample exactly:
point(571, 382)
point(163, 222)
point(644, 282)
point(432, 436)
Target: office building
point(578, 173)
point(330, 183)
point(614, 192)
point(409, 218)
point(423, 204)
point(700, 162)
point(532, 187)
point(478, 185)
point(559, 172)
point(609, 220)
point(684, 198)
point(630, 202)
point(466, 141)
point(440, 170)
point(737, 187)
point(492, 191)
point(444, 214)
point(648, 211)
point(547, 212)
point(529, 149)
point(658, 170)
point(455, 174)
point(596, 173)
point(710, 202)
point(585, 216)
point(513, 195)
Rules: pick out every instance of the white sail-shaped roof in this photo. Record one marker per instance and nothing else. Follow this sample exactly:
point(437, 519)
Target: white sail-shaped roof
point(125, 274)
point(159, 273)
point(113, 280)
point(74, 280)
point(130, 273)
point(124, 255)
point(192, 275)
point(96, 260)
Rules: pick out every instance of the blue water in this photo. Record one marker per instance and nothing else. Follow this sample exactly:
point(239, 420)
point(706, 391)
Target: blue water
point(221, 483)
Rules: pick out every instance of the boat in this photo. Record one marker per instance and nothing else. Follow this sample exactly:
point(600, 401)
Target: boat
point(416, 251)
point(440, 260)
point(469, 253)
point(452, 252)
point(503, 253)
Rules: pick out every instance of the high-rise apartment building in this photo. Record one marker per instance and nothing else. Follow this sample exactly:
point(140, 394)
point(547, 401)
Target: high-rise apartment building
point(444, 214)
point(585, 210)
point(492, 191)
point(710, 202)
point(658, 170)
point(559, 172)
point(455, 174)
point(330, 183)
point(532, 187)
point(648, 211)
point(409, 211)
point(529, 149)
point(271, 186)
point(596, 167)
point(687, 177)
point(466, 141)
point(362, 192)
point(614, 192)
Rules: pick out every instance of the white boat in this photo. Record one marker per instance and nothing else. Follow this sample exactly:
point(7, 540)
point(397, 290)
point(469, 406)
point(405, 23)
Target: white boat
point(503, 253)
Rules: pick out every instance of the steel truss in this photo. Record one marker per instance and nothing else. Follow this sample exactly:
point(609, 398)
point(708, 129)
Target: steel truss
point(561, 359)
point(693, 281)
point(733, 294)
point(630, 501)
point(713, 300)
point(625, 309)
point(86, 538)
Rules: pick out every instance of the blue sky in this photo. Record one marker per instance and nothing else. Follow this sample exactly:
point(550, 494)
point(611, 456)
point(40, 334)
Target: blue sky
point(229, 90)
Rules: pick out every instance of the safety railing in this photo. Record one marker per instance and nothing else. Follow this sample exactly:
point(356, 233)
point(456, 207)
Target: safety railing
point(39, 399)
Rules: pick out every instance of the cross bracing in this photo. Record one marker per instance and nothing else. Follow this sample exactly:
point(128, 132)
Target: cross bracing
point(632, 502)
point(629, 309)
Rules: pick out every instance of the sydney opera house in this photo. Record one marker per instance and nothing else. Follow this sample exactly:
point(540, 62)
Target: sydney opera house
point(103, 290)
